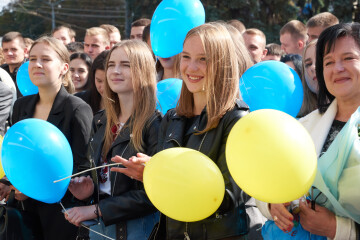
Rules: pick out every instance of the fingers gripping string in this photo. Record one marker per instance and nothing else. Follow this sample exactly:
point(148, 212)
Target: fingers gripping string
point(65, 211)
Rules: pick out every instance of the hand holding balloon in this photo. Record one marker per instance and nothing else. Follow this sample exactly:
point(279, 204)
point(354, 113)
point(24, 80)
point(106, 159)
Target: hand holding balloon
point(281, 216)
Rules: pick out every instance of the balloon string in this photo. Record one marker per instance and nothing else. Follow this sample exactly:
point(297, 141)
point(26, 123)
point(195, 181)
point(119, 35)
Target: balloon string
point(87, 226)
point(87, 170)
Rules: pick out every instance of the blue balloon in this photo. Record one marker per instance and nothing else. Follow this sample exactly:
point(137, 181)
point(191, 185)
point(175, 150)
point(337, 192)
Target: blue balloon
point(26, 87)
point(171, 22)
point(34, 154)
point(168, 93)
point(272, 85)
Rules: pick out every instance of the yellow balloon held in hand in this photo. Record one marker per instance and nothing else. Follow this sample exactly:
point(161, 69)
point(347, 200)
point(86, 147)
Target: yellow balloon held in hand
point(271, 156)
point(184, 184)
point(2, 173)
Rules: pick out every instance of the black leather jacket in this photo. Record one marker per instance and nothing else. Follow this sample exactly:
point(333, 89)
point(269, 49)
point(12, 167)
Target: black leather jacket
point(230, 219)
point(128, 199)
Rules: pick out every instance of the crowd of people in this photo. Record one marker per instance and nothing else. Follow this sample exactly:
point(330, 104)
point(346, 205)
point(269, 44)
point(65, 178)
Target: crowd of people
point(101, 93)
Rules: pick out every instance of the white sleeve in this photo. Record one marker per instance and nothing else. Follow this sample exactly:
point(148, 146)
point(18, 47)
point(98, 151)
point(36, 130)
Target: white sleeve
point(345, 229)
point(264, 209)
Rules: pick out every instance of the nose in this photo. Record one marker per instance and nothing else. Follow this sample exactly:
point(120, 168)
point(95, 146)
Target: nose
point(193, 66)
point(339, 67)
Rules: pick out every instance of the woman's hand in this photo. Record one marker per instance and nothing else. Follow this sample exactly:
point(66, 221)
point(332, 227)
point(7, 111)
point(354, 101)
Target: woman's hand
point(77, 215)
point(134, 167)
point(281, 216)
point(81, 187)
point(320, 221)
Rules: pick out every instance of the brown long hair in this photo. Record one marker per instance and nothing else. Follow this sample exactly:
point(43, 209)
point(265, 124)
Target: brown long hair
point(63, 55)
point(143, 74)
point(222, 73)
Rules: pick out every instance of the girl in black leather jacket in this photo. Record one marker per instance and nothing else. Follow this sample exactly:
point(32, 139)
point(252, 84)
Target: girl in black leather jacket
point(129, 125)
point(207, 110)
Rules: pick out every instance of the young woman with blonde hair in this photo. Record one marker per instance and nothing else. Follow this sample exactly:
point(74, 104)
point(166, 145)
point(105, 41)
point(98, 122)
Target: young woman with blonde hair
point(49, 71)
point(128, 125)
point(207, 110)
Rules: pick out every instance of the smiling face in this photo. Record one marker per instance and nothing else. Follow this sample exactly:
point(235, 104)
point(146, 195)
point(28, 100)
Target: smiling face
point(45, 67)
point(118, 72)
point(342, 69)
point(79, 73)
point(193, 64)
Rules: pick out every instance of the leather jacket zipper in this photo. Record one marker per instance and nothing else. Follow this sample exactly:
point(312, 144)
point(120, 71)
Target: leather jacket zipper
point(112, 191)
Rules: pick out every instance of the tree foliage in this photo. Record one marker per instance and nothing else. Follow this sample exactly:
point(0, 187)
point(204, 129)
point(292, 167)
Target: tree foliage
point(33, 17)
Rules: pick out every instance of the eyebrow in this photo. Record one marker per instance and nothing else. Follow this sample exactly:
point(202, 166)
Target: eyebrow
point(308, 59)
point(202, 54)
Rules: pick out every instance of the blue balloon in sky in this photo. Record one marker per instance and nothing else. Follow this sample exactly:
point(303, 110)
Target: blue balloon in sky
point(26, 87)
point(272, 85)
point(168, 93)
point(34, 154)
point(171, 22)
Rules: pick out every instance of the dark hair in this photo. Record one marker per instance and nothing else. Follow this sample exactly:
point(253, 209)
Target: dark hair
point(296, 59)
point(10, 36)
point(95, 97)
point(87, 59)
point(74, 47)
point(325, 44)
point(146, 33)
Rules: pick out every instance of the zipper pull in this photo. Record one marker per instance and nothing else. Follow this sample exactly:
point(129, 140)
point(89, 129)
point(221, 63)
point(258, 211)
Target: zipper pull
point(186, 236)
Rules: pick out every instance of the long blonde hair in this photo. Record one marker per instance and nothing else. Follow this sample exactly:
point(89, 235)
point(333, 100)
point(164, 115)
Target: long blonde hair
point(143, 75)
point(222, 73)
point(309, 99)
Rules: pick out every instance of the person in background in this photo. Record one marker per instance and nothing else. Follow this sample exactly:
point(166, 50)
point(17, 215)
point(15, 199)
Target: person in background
point(137, 28)
point(14, 51)
point(274, 52)
point(64, 34)
point(94, 95)
point(255, 42)
point(309, 80)
point(294, 61)
point(96, 40)
point(129, 124)
point(206, 112)
point(146, 36)
point(48, 70)
point(28, 43)
point(338, 74)
point(238, 25)
point(114, 33)
point(316, 24)
point(293, 37)
point(75, 47)
point(80, 64)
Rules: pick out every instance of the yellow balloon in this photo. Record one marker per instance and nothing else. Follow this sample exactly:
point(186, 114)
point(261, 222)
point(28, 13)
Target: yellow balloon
point(271, 156)
point(2, 173)
point(184, 184)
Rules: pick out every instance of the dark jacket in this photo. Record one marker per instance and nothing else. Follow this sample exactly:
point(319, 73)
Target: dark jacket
point(230, 219)
point(128, 199)
point(73, 117)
